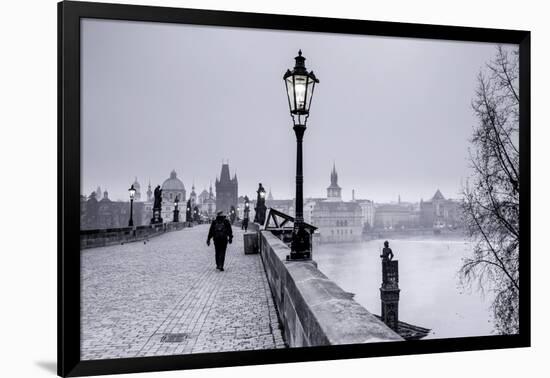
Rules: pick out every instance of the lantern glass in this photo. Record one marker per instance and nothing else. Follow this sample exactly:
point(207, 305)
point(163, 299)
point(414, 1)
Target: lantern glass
point(290, 93)
point(309, 92)
point(132, 192)
point(300, 86)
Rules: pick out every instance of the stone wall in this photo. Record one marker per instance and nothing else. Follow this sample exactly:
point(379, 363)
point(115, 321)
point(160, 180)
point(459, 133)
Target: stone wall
point(312, 309)
point(111, 236)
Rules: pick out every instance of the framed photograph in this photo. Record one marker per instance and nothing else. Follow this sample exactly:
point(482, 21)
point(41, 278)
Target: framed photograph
point(240, 188)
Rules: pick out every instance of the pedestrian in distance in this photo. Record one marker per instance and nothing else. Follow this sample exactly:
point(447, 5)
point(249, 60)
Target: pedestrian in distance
point(387, 253)
point(244, 225)
point(220, 231)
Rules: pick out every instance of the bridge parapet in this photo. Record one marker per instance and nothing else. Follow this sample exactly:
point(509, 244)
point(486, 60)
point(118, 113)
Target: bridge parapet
point(313, 309)
point(111, 236)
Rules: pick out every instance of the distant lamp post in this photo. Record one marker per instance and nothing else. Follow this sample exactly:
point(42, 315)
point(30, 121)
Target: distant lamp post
point(188, 213)
point(132, 193)
point(196, 217)
point(176, 209)
point(246, 211)
point(260, 208)
point(299, 87)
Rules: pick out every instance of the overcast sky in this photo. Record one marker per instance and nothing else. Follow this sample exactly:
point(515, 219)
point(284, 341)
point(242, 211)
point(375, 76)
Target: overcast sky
point(393, 113)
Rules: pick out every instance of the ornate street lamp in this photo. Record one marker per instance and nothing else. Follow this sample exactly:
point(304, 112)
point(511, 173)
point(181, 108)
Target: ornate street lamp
point(176, 209)
point(132, 193)
point(299, 88)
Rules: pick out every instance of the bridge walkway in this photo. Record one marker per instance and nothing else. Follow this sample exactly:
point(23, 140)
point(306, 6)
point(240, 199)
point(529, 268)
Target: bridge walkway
point(166, 297)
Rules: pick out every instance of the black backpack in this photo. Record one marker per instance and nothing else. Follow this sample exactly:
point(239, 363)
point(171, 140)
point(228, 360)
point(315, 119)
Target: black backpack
point(219, 230)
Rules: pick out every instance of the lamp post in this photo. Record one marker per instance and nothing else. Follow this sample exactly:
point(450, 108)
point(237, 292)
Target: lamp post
point(132, 193)
point(188, 214)
point(246, 214)
point(299, 87)
point(176, 209)
point(246, 210)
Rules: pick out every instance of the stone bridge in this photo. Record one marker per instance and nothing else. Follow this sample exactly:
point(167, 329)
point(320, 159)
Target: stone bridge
point(163, 296)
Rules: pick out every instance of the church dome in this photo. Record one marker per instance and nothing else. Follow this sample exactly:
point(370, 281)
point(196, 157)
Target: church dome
point(173, 183)
point(136, 184)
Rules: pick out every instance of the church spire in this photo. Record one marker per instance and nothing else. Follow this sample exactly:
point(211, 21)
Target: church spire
point(149, 192)
point(334, 175)
point(334, 192)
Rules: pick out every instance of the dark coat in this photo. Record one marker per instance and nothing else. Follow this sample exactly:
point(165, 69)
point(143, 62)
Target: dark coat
point(228, 232)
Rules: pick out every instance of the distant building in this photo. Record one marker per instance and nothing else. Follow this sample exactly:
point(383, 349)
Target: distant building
point(227, 189)
point(105, 213)
point(202, 197)
point(137, 187)
point(193, 197)
point(395, 216)
point(208, 204)
point(309, 205)
point(286, 206)
point(439, 212)
point(367, 212)
point(337, 221)
point(172, 187)
point(89, 212)
point(149, 192)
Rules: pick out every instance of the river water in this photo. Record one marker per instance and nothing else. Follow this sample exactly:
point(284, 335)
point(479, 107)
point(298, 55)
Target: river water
point(431, 295)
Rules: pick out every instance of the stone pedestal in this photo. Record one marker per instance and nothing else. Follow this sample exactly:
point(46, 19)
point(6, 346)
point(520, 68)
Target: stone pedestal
point(157, 219)
point(251, 245)
point(389, 294)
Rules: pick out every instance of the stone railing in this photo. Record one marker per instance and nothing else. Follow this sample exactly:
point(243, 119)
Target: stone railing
point(112, 236)
point(314, 310)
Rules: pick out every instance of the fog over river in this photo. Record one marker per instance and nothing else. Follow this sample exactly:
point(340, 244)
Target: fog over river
point(431, 294)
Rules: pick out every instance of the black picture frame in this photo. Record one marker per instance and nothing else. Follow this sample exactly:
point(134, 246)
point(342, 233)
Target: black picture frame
point(69, 16)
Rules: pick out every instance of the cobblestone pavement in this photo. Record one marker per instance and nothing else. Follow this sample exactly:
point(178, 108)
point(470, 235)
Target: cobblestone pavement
point(133, 295)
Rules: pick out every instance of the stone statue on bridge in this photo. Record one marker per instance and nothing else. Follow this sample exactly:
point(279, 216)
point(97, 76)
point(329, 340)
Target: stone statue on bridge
point(157, 206)
point(387, 253)
point(158, 198)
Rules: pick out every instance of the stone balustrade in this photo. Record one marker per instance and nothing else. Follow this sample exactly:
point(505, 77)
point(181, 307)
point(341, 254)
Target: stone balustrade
point(313, 310)
point(112, 236)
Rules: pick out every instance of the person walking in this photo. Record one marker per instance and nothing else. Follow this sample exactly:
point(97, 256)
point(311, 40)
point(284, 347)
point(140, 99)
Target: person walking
point(220, 230)
point(244, 225)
